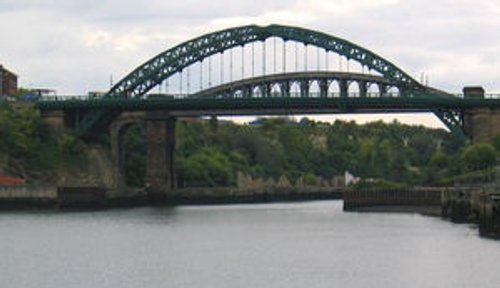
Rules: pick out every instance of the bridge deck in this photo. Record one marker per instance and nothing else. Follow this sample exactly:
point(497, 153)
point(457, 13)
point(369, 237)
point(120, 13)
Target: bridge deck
point(256, 106)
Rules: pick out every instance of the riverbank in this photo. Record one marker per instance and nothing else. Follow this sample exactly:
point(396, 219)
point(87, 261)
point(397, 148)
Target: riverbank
point(431, 210)
point(35, 197)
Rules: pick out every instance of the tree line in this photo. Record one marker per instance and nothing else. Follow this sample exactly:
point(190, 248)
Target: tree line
point(210, 152)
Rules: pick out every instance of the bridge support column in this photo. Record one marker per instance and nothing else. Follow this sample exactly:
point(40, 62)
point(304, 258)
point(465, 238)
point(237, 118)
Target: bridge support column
point(344, 88)
point(363, 89)
point(160, 170)
point(55, 122)
point(304, 89)
point(117, 129)
point(481, 124)
point(285, 89)
point(383, 90)
point(323, 88)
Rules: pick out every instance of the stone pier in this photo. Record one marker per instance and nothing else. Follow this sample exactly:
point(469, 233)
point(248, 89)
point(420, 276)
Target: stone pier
point(481, 124)
point(160, 171)
point(160, 140)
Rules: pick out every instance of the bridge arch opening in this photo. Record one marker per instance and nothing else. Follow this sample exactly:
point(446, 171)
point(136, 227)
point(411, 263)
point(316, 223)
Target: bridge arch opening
point(257, 92)
point(393, 92)
point(354, 90)
point(238, 94)
point(295, 89)
point(314, 89)
point(334, 89)
point(276, 90)
point(373, 90)
point(132, 153)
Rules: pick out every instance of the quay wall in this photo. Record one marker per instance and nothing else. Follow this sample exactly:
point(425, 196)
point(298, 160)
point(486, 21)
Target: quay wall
point(357, 199)
point(27, 196)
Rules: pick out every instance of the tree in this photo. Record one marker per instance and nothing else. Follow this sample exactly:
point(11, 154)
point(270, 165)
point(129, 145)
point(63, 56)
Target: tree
point(479, 156)
point(206, 168)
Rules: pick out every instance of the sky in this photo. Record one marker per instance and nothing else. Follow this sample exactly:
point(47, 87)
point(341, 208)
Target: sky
point(76, 46)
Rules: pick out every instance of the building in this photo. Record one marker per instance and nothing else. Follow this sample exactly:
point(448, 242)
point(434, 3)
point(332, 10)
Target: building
point(8, 82)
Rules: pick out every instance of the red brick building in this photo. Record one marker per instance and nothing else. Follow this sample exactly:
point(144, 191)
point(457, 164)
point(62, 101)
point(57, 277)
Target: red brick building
point(8, 82)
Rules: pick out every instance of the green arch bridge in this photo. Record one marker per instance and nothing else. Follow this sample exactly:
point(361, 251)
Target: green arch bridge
point(254, 70)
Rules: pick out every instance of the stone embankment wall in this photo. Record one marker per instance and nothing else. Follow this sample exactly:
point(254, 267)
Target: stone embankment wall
point(479, 205)
point(356, 199)
point(250, 189)
point(27, 196)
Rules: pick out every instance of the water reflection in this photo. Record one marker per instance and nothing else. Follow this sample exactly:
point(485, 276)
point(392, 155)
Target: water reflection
point(310, 244)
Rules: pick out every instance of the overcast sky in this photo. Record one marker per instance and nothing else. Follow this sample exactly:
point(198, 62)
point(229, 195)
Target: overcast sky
point(75, 45)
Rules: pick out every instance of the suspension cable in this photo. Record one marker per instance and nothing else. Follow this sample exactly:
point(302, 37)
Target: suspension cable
point(326, 60)
point(284, 56)
point(231, 65)
point(188, 81)
point(317, 58)
point(264, 58)
point(180, 80)
point(274, 55)
point(209, 72)
point(242, 61)
point(221, 67)
point(253, 59)
point(296, 56)
point(305, 57)
point(201, 75)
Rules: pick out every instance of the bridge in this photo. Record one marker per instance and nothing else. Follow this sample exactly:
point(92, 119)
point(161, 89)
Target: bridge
point(254, 70)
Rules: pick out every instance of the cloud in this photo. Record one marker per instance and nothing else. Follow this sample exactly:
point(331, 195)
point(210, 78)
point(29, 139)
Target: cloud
point(76, 45)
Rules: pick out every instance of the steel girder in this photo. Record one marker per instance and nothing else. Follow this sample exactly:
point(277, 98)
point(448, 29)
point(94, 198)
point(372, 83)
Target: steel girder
point(161, 67)
point(174, 60)
point(304, 79)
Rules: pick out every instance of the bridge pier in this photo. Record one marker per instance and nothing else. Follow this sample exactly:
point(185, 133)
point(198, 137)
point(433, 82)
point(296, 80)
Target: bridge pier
point(160, 170)
point(481, 124)
point(160, 140)
point(54, 121)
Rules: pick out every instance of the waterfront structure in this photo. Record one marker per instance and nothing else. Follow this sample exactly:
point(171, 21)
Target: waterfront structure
point(8, 82)
point(379, 87)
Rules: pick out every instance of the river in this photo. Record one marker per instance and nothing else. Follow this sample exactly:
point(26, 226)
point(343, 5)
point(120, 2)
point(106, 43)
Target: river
point(309, 244)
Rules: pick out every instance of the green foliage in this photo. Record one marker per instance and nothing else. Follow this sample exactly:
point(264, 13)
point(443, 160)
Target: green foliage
point(380, 184)
point(496, 142)
point(135, 156)
point(310, 179)
point(28, 147)
point(387, 153)
point(207, 167)
point(209, 153)
point(479, 156)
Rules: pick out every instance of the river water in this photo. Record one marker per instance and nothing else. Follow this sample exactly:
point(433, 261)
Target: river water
point(310, 244)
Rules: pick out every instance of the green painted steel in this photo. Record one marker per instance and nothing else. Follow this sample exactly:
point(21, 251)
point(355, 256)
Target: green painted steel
point(425, 102)
point(165, 64)
point(128, 93)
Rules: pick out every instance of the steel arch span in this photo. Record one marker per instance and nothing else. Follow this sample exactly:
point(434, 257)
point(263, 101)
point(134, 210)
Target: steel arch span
point(153, 72)
point(161, 67)
point(265, 85)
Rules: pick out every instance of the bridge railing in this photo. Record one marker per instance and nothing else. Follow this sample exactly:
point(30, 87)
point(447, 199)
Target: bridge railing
point(486, 96)
point(256, 94)
point(62, 98)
